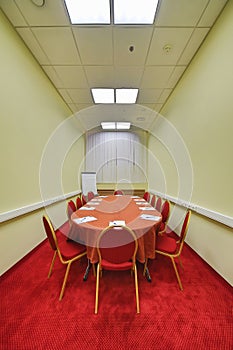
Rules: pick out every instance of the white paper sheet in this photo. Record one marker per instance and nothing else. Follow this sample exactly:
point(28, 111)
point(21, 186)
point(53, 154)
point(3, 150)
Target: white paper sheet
point(146, 208)
point(117, 223)
point(150, 217)
point(84, 219)
point(87, 208)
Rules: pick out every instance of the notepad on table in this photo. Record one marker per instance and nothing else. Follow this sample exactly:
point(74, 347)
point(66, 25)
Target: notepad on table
point(117, 223)
point(146, 208)
point(87, 208)
point(84, 219)
point(150, 217)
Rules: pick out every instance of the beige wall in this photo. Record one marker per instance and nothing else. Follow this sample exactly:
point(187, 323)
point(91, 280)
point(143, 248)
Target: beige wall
point(201, 110)
point(30, 112)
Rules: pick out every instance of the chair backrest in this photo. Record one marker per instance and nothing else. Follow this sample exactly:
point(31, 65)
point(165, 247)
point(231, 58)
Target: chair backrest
point(117, 244)
point(71, 208)
point(165, 211)
point(147, 196)
point(78, 202)
point(153, 200)
point(84, 200)
point(118, 192)
point(184, 228)
point(158, 204)
point(50, 233)
point(90, 195)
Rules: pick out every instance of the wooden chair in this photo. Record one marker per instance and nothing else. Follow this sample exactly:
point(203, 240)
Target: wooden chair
point(117, 247)
point(67, 251)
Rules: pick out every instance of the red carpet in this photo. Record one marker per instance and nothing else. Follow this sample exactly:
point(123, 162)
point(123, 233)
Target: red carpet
point(32, 317)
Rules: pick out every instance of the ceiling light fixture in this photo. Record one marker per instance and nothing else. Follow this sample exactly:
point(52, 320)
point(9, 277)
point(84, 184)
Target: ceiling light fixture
point(115, 125)
point(101, 11)
point(110, 95)
point(126, 95)
point(88, 11)
point(134, 11)
point(103, 95)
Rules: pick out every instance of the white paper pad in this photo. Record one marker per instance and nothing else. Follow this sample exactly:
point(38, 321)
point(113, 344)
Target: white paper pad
point(146, 208)
point(96, 200)
point(95, 203)
point(85, 219)
point(141, 199)
point(135, 197)
point(142, 203)
point(150, 217)
point(117, 222)
point(87, 208)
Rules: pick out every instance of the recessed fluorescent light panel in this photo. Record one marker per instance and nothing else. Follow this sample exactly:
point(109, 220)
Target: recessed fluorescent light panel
point(88, 11)
point(134, 11)
point(103, 95)
point(122, 125)
point(123, 11)
point(115, 125)
point(126, 95)
point(108, 125)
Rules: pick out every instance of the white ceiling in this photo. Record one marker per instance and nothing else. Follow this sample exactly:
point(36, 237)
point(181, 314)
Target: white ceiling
point(77, 58)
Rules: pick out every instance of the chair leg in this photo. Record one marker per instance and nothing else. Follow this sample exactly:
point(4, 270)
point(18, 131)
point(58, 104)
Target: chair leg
point(136, 288)
point(93, 268)
point(97, 289)
point(181, 265)
point(177, 274)
point(145, 267)
point(64, 281)
point(52, 264)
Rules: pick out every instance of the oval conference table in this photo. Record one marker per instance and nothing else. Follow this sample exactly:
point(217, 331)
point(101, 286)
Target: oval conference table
point(102, 211)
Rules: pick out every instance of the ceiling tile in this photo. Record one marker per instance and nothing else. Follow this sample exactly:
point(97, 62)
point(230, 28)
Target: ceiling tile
point(95, 45)
point(194, 43)
point(180, 13)
point(13, 13)
point(53, 13)
point(71, 76)
point(139, 38)
point(80, 95)
point(100, 76)
point(51, 73)
point(156, 76)
point(30, 40)
point(128, 76)
point(50, 40)
point(150, 96)
point(164, 95)
point(65, 95)
point(211, 13)
point(173, 39)
point(175, 76)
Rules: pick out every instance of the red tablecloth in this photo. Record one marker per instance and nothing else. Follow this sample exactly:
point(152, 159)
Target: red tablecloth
point(114, 208)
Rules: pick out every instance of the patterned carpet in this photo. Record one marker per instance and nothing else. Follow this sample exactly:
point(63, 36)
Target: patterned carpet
point(32, 317)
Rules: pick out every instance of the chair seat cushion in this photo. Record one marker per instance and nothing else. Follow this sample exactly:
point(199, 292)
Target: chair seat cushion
point(166, 244)
point(70, 249)
point(107, 265)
